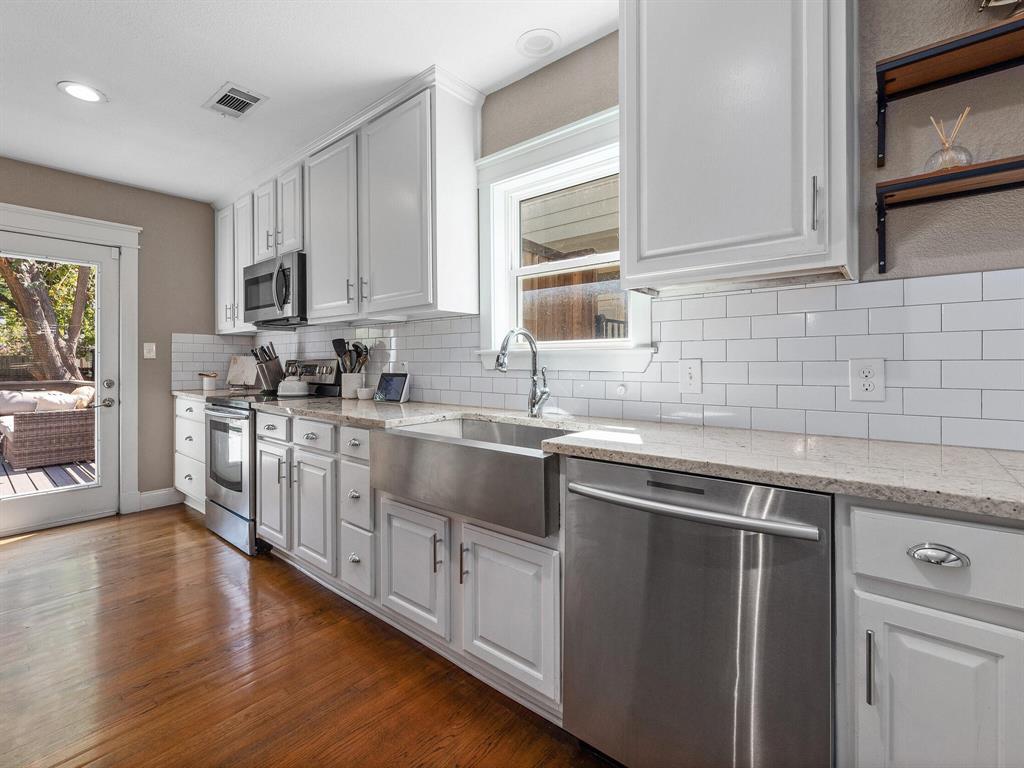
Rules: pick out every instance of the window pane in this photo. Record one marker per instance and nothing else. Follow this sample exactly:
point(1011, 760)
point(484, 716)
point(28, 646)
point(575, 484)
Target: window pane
point(570, 306)
point(572, 222)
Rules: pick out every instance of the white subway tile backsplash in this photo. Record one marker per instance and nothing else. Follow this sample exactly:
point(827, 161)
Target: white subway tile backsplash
point(777, 419)
point(641, 411)
point(727, 328)
point(682, 330)
point(983, 315)
point(666, 310)
point(883, 293)
point(942, 402)
point(723, 416)
point(695, 309)
point(606, 409)
point(706, 350)
point(1005, 284)
point(817, 348)
point(762, 395)
point(775, 373)
point(907, 429)
point(915, 373)
point(725, 373)
point(984, 433)
point(1002, 345)
point(986, 374)
point(711, 394)
point(807, 397)
point(955, 345)
point(825, 372)
point(662, 393)
point(893, 402)
point(942, 288)
point(817, 299)
point(588, 388)
point(837, 423)
point(1000, 404)
point(752, 349)
point(846, 322)
point(888, 346)
point(688, 413)
point(752, 304)
point(920, 319)
point(622, 390)
point(777, 326)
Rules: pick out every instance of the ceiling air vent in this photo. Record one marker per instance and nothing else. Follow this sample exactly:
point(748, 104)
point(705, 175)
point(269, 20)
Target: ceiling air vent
point(233, 101)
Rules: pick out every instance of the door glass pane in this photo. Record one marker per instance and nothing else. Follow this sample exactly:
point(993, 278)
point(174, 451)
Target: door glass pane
point(47, 375)
point(225, 455)
point(576, 221)
point(584, 304)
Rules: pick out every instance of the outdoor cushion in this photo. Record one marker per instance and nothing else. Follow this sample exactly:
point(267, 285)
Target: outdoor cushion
point(85, 395)
point(55, 401)
point(16, 402)
point(6, 425)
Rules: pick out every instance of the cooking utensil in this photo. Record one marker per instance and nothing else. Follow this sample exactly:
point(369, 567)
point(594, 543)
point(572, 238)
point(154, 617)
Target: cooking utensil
point(273, 352)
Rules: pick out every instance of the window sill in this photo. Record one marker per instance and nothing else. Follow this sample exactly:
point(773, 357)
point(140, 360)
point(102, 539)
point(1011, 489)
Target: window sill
point(632, 360)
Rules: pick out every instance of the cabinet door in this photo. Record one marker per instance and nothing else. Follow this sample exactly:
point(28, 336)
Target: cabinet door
point(273, 523)
point(395, 264)
point(264, 229)
point(243, 258)
point(331, 244)
point(314, 509)
point(945, 690)
point(224, 258)
point(414, 565)
point(722, 169)
point(289, 210)
point(510, 608)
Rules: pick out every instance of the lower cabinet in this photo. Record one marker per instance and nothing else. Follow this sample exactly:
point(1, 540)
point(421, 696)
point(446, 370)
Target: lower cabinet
point(357, 561)
point(314, 508)
point(510, 607)
point(414, 565)
point(273, 470)
point(936, 688)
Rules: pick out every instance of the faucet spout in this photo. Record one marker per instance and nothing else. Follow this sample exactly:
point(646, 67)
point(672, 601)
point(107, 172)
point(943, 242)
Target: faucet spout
point(539, 392)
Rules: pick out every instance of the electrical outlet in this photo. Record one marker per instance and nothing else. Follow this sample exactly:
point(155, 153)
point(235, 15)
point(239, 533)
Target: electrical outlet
point(691, 379)
point(149, 351)
point(867, 379)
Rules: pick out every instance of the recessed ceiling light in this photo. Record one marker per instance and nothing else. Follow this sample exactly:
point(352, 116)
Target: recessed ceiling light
point(538, 43)
point(81, 91)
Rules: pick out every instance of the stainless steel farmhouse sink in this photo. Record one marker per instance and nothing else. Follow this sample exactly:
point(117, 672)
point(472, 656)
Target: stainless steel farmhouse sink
point(492, 472)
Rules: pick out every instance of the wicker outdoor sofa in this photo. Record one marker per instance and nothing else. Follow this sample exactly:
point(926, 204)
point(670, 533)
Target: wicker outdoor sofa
point(45, 438)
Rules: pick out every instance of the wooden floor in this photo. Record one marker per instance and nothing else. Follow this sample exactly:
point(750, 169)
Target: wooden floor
point(18, 482)
point(145, 641)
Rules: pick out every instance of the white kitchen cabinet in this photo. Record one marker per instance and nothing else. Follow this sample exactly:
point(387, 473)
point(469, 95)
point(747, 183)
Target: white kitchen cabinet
point(224, 271)
point(314, 509)
point(265, 220)
point(415, 569)
point(190, 451)
point(243, 258)
point(332, 246)
point(273, 515)
point(937, 689)
point(288, 234)
point(357, 559)
point(739, 170)
point(510, 607)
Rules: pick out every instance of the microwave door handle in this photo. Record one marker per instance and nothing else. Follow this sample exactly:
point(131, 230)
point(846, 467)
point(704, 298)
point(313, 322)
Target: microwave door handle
point(273, 285)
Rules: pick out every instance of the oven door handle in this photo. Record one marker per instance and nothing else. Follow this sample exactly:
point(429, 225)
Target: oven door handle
point(234, 416)
point(273, 285)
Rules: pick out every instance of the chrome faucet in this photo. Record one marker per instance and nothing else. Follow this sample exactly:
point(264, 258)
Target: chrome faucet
point(539, 392)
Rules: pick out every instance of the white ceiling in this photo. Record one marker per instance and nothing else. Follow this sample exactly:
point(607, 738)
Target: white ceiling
point(319, 62)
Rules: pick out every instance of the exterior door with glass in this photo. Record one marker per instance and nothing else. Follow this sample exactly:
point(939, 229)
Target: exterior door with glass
point(59, 375)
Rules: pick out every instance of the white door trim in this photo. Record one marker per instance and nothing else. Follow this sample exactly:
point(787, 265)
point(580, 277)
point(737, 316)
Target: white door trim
point(125, 237)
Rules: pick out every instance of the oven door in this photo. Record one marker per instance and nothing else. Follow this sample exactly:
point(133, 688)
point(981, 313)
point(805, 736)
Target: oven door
point(229, 460)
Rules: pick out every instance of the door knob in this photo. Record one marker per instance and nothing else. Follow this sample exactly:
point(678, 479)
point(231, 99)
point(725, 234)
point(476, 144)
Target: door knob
point(108, 383)
point(106, 402)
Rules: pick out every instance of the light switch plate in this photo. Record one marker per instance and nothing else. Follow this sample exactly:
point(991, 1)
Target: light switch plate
point(867, 379)
point(149, 350)
point(691, 378)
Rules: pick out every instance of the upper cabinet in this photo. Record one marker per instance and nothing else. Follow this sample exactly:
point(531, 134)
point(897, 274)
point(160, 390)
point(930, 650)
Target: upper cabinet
point(288, 235)
point(332, 246)
point(224, 270)
point(264, 220)
point(243, 258)
point(737, 146)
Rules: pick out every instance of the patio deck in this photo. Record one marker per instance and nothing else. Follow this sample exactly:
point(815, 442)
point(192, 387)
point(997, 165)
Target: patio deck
point(20, 482)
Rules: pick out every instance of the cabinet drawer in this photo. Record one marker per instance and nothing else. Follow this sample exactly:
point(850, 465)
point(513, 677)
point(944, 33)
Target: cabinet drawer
point(189, 409)
point(995, 574)
point(190, 438)
point(355, 498)
point(273, 426)
point(357, 559)
point(355, 442)
point(313, 434)
point(190, 476)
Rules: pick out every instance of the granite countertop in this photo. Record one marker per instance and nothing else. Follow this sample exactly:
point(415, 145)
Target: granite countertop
point(976, 481)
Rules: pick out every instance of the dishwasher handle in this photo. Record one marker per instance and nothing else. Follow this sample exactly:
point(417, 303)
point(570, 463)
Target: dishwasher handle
point(754, 525)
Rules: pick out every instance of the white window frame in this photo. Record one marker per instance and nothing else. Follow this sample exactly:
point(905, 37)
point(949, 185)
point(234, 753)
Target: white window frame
point(577, 153)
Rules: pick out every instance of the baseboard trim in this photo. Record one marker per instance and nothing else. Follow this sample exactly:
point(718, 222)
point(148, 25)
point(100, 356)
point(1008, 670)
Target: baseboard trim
point(162, 497)
point(42, 526)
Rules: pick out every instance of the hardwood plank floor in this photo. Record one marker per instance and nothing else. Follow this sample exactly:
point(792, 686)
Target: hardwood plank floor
point(145, 641)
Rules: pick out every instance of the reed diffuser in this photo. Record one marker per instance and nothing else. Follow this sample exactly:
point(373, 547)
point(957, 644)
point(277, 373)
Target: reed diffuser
point(950, 155)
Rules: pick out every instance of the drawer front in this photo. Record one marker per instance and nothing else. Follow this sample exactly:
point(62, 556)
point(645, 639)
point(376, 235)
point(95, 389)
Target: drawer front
point(357, 559)
point(272, 426)
point(881, 541)
point(355, 443)
point(190, 476)
point(355, 499)
point(313, 434)
point(189, 409)
point(190, 438)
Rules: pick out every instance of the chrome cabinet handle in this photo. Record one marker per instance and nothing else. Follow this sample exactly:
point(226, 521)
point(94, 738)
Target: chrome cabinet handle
point(364, 289)
point(310, 436)
point(280, 478)
point(188, 438)
point(462, 569)
point(814, 203)
point(434, 541)
point(268, 240)
point(869, 667)
point(353, 443)
point(348, 290)
point(189, 409)
point(939, 554)
point(280, 237)
point(234, 311)
point(270, 427)
point(227, 312)
point(294, 475)
point(354, 494)
point(353, 558)
point(189, 478)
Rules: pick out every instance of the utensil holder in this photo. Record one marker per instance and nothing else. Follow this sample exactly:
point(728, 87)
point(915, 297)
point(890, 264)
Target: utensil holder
point(350, 382)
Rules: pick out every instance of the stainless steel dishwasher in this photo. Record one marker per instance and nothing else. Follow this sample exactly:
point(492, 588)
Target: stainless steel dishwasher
point(698, 619)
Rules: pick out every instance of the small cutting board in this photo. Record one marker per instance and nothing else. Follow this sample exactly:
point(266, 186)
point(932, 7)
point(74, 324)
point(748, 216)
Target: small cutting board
point(242, 371)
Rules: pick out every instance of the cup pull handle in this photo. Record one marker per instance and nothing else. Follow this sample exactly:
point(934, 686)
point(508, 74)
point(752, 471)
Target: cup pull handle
point(939, 554)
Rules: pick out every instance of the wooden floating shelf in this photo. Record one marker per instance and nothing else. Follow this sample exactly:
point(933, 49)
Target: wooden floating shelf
point(948, 183)
point(972, 54)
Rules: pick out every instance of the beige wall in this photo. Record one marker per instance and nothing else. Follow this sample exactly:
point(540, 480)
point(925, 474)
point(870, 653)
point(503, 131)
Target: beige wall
point(970, 234)
point(175, 280)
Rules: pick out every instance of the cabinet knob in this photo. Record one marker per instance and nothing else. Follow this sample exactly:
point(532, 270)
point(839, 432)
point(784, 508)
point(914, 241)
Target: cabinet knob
point(354, 494)
point(310, 436)
point(939, 554)
point(353, 443)
point(270, 427)
point(188, 438)
point(188, 477)
point(189, 409)
point(353, 558)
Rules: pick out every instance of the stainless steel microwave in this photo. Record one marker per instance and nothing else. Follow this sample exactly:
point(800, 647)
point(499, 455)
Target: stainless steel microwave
point(274, 291)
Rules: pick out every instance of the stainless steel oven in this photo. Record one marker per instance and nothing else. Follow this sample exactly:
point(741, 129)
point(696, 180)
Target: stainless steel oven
point(230, 483)
point(274, 291)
